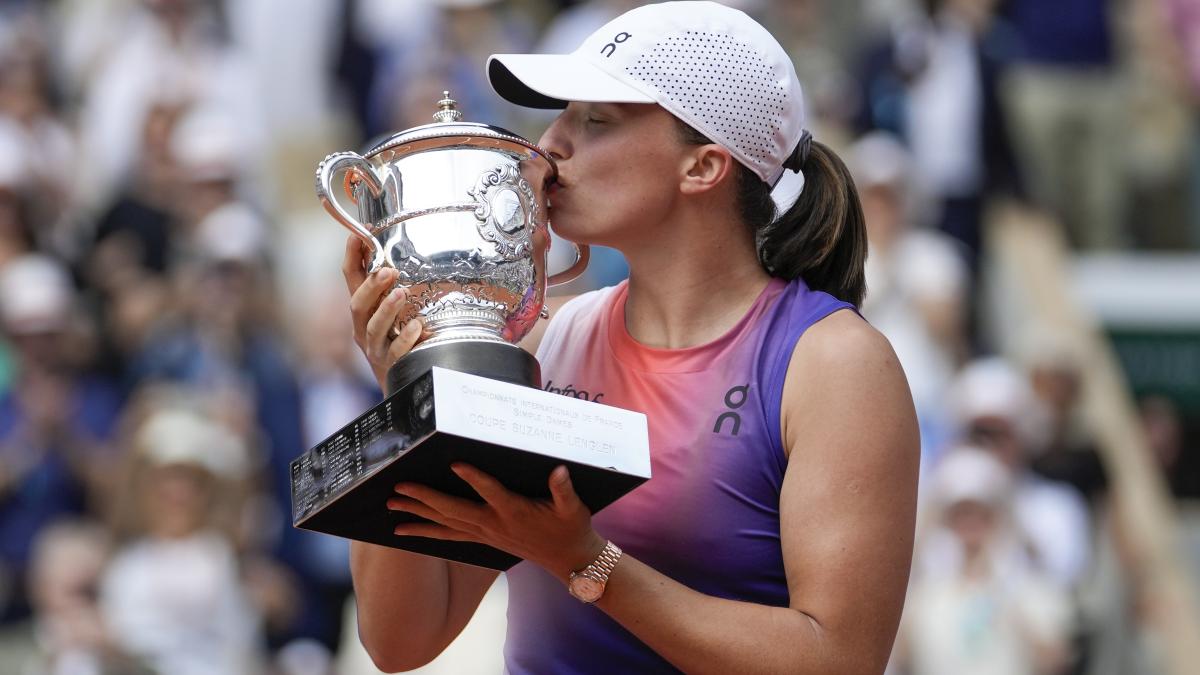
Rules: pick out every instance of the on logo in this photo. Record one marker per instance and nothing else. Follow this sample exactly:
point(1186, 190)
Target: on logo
point(734, 399)
point(611, 48)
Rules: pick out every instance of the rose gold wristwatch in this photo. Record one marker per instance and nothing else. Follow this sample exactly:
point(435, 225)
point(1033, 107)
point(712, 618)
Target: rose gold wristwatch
point(587, 585)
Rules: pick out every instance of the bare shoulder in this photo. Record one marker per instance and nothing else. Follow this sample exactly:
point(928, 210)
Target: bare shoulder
point(843, 369)
point(844, 340)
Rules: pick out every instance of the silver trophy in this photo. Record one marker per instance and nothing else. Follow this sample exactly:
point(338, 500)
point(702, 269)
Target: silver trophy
point(459, 209)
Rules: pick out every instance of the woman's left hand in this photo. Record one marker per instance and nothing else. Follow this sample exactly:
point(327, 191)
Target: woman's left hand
point(556, 534)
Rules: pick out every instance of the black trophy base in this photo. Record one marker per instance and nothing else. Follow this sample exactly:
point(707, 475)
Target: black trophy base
point(342, 485)
point(493, 360)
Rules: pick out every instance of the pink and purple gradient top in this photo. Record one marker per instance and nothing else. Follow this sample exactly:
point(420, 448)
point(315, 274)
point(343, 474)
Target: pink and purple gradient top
point(709, 516)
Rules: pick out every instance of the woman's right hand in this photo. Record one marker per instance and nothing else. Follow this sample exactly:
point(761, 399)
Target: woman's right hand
point(374, 310)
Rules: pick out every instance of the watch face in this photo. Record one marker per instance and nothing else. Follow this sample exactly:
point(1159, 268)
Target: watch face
point(586, 588)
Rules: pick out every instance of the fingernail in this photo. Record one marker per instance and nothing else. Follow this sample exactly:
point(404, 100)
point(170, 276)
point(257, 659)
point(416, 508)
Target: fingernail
point(395, 504)
point(401, 488)
point(561, 474)
point(412, 327)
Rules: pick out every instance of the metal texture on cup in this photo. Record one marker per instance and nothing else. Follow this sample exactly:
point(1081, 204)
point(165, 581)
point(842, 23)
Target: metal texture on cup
point(460, 210)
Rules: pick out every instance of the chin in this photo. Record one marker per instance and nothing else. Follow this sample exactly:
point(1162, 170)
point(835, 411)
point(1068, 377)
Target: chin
point(593, 232)
point(562, 226)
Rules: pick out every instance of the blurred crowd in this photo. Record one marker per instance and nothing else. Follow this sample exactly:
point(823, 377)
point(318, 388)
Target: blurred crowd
point(173, 329)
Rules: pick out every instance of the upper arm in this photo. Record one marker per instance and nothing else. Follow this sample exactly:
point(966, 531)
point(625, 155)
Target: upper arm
point(531, 341)
point(848, 504)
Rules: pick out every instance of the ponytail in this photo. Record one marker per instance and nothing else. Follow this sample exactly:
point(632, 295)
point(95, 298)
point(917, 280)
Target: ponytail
point(822, 238)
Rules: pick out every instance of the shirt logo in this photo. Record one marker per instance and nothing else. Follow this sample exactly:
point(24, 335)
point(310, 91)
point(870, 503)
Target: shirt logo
point(571, 391)
point(734, 398)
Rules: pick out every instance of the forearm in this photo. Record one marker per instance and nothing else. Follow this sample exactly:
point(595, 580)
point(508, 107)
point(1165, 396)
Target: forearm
point(411, 606)
point(698, 633)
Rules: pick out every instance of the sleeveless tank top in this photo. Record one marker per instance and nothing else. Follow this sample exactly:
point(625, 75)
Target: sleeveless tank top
point(709, 515)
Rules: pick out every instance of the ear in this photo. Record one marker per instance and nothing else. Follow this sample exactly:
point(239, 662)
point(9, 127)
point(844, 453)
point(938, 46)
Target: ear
point(704, 168)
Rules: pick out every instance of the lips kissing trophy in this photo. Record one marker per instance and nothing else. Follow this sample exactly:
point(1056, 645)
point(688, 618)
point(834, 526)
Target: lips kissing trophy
point(460, 210)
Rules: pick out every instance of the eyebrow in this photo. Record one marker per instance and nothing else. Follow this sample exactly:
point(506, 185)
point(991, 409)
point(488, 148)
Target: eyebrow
point(610, 108)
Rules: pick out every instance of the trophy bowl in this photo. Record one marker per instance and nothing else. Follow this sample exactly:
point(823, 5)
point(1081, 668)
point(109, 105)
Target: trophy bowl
point(460, 210)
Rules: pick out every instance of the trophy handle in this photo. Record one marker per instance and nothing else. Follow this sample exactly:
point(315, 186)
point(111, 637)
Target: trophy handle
point(356, 168)
point(583, 253)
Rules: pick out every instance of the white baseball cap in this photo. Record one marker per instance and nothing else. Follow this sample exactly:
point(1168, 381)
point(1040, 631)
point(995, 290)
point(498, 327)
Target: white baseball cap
point(177, 436)
point(968, 474)
point(36, 295)
point(993, 387)
point(710, 65)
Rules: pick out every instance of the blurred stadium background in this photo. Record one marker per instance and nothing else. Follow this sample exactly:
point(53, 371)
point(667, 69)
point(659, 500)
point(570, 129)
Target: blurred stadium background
point(173, 328)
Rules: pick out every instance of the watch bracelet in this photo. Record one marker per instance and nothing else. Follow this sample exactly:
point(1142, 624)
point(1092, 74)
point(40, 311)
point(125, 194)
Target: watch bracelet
point(602, 567)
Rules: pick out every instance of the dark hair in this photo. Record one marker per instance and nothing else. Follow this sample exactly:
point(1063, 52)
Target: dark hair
point(822, 238)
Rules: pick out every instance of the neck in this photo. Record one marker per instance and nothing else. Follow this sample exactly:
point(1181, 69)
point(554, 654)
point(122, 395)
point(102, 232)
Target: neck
point(693, 282)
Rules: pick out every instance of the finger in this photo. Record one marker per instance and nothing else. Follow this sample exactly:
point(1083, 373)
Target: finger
point(378, 336)
point(364, 300)
point(432, 531)
point(451, 507)
point(406, 339)
point(492, 490)
point(354, 267)
point(562, 490)
point(423, 510)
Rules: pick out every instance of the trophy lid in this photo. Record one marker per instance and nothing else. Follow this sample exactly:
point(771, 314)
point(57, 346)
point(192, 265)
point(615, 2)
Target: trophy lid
point(449, 131)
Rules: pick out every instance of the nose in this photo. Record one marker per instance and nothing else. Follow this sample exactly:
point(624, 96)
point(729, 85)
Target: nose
point(555, 141)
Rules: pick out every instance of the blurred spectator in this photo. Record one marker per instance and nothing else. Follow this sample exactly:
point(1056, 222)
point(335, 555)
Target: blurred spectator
point(428, 46)
point(917, 283)
point(67, 635)
point(1065, 100)
point(989, 613)
point(1163, 427)
point(1183, 17)
point(172, 51)
point(133, 234)
point(810, 38)
point(293, 78)
point(42, 144)
point(57, 421)
point(173, 595)
point(934, 83)
point(126, 268)
point(16, 225)
point(1070, 454)
point(998, 411)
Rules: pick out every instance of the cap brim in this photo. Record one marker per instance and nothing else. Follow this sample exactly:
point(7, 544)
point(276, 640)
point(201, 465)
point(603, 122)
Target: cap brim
point(553, 80)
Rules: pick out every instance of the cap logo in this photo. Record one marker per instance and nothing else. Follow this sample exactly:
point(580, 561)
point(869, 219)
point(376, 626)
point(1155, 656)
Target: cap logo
point(611, 48)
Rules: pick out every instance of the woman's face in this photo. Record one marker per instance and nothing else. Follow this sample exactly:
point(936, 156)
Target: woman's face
point(619, 171)
point(176, 499)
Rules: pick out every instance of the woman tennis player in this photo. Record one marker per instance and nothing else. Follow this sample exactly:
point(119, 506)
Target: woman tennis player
point(777, 530)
